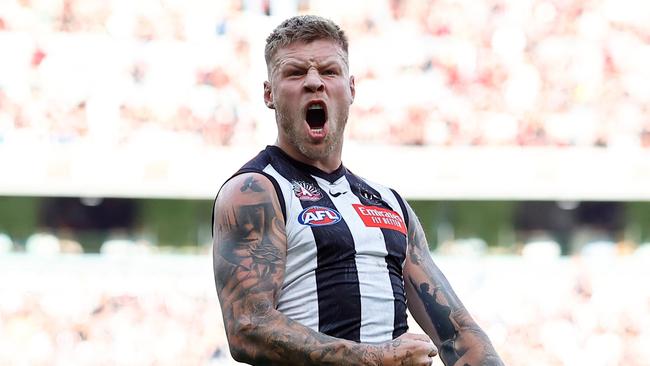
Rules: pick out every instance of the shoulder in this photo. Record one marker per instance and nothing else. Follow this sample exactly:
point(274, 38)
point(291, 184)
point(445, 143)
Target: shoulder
point(246, 187)
point(244, 194)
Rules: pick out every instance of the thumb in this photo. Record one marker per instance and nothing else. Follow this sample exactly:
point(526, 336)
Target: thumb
point(434, 350)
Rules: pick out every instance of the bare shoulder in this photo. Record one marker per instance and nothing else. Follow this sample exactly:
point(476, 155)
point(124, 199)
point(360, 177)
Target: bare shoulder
point(246, 188)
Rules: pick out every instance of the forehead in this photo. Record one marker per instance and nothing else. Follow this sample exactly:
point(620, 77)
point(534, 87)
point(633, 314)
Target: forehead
point(315, 52)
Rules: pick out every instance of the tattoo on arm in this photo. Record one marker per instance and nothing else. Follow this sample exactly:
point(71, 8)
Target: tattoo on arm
point(455, 330)
point(438, 313)
point(247, 242)
point(251, 184)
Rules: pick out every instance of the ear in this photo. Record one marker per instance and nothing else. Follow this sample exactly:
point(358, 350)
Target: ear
point(268, 95)
point(352, 88)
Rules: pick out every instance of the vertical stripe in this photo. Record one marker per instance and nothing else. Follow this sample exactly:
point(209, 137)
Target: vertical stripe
point(337, 282)
point(374, 280)
point(402, 205)
point(298, 298)
point(396, 247)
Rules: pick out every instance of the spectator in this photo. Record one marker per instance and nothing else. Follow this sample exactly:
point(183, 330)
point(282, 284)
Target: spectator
point(496, 74)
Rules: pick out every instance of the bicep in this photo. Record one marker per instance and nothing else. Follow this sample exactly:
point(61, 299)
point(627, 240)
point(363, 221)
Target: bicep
point(249, 248)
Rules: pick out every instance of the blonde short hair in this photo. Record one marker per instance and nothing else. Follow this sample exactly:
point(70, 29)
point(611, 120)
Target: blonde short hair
point(304, 28)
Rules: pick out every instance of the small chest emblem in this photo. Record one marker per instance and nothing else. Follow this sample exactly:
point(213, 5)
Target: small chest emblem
point(319, 216)
point(306, 191)
point(369, 197)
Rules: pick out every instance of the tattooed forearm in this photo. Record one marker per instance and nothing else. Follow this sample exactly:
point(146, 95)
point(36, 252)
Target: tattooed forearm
point(415, 258)
point(290, 343)
point(439, 316)
point(448, 353)
point(439, 311)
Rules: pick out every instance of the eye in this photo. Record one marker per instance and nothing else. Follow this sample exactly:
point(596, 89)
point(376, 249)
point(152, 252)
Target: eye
point(330, 72)
point(295, 72)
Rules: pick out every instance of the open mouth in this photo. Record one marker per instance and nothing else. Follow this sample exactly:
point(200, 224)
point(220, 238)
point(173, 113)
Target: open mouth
point(316, 116)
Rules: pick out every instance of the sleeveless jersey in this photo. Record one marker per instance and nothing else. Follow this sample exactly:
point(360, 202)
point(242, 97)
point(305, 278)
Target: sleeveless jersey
point(346, 246)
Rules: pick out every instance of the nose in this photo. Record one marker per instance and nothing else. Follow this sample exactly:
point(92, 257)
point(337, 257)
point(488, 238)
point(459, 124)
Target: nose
point(313, 81)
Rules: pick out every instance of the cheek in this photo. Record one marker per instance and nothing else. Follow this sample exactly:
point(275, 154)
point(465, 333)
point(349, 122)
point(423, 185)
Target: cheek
point(344, 92)
point(286, 98)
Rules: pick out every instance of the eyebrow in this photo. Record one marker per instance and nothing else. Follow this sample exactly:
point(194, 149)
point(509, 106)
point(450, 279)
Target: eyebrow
point(293, 63)
point(297, 63)
point(330, 63)
point(306, 64)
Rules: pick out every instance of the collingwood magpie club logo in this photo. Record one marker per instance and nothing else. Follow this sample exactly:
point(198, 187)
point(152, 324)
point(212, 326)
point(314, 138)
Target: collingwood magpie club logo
point(369, 196)
point(306, 191)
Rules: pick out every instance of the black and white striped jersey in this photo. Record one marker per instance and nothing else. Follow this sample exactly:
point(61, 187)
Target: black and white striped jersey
point(346, 246)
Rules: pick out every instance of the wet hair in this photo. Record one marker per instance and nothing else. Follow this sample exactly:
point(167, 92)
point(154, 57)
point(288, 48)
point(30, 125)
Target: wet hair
point(304, 28)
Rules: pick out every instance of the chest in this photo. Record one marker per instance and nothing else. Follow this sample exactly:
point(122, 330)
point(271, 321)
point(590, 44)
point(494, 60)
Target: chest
point(342, 221)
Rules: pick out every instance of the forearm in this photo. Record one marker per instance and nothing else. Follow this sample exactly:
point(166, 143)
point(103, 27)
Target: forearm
point(271, 338)
point(438, 310)
point(470, 346)
point(459, 339)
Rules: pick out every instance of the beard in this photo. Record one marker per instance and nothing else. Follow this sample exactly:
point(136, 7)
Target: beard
point(294, 131)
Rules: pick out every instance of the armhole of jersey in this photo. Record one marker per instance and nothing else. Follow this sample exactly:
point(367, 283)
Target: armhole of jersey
point(402, 205)
point(278, 192)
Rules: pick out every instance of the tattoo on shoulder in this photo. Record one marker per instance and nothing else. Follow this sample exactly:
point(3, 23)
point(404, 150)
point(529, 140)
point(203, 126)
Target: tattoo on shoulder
point(251, 184)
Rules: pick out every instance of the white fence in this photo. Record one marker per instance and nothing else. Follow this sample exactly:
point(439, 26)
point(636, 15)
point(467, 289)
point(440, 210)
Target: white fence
point(416, 172)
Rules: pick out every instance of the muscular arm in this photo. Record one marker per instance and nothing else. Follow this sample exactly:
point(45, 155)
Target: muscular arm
point(438, 310)
point(249, 255)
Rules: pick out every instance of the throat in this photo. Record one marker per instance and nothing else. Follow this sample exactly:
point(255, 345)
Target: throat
point(316, 118)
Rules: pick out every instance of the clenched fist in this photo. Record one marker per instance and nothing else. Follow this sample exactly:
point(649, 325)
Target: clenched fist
point(409, 349)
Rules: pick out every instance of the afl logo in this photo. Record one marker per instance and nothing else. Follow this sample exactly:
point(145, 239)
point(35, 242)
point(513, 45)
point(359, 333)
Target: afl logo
point(319, 216)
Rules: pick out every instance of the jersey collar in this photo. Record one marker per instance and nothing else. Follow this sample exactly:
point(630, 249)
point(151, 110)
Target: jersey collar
point(310, 169)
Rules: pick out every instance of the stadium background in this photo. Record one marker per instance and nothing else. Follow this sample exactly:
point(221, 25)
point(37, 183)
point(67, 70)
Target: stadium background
point(518, 130)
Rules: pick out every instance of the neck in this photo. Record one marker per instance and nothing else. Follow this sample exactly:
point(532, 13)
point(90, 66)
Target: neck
point(328, 163)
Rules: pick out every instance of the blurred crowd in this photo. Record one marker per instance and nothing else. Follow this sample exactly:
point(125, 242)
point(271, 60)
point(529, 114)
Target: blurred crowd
point(94, 311)
point(436, 73)
point(549, 312)
point(163, 310)
point(135, 303)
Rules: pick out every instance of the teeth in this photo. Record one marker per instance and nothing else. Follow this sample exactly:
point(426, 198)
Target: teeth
point(317, 130)
point(315, 106)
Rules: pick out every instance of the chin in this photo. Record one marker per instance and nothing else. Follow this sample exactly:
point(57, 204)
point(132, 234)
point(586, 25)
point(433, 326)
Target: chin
point(316, 152)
